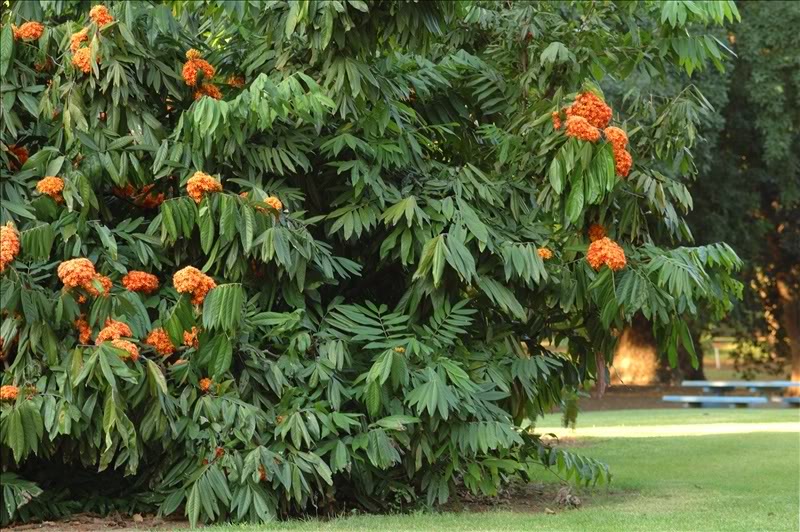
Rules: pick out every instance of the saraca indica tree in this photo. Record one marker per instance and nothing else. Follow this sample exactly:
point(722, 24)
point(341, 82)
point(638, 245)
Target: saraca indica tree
point(263, 257)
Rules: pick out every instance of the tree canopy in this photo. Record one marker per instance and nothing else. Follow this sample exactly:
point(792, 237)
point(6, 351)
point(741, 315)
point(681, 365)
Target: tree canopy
point(267, 256)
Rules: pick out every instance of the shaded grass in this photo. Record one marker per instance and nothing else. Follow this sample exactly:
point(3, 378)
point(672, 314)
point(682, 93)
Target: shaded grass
point(735, 482)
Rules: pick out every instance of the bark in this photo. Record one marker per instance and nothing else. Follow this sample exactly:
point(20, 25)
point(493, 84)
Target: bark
point(636, 355)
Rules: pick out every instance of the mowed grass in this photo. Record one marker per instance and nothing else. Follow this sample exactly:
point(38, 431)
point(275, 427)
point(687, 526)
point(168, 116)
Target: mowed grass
point(734, 482)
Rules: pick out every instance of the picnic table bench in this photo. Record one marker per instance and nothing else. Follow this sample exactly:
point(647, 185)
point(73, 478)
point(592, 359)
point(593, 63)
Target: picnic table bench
point(729, 386)
point(697, 401)
point(721, 387)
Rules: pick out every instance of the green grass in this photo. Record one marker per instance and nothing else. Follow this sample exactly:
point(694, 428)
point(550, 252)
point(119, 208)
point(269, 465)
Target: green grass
point(733, 482)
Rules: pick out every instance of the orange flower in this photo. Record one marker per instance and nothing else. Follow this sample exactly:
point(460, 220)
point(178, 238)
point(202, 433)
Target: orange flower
point(622, 162)
point(100, 15)
point(606, 251)
point(77, 38)
point(589, 106)
point(274, 203)
point(76, 272)
point(130, 347)
point(190, 338)
point(193, 66)
point(84, 331)
point(204, 385)
point(159, 340)
point(208, 89)
point(617, 137)
point(104, 281)
point(29, 31)
point(580, 128)
point(545, 253)
point(219, 453)
point(149, 200)
point(193, 281)
point(20, 153)
point(113, 331)
point(596, 232)
point(199, 184)
point(9, 245)
point(136, 281)
point(235, 81)
point(52, 186)
point(262, 473)
point(8, 393)
point(82, 60)
point(556, 120)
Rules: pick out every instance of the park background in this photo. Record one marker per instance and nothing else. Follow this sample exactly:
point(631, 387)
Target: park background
point(392, 208)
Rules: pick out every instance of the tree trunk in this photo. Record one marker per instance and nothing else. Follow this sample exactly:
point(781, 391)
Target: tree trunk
point(636, 355)
point(790, 318)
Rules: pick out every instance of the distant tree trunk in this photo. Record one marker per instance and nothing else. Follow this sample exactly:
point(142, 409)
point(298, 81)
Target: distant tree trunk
point(636, 355)
point(790, 314)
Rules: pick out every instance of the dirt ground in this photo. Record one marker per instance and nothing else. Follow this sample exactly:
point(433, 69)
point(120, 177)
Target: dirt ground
point(89, 522)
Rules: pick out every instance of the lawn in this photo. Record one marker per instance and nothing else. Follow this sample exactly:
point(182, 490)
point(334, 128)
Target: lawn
point(726, 482)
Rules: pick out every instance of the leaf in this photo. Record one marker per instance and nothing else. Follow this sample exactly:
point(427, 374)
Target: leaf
point(6, 49)
point(574, 206)
point(222, 308)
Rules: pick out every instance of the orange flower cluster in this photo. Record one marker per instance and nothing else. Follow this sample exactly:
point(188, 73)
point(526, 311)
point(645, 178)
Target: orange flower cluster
point(208, 89)
point(142, 198)
point(9, 245)
point(29, 31)
point(596, 232)
point(52, 186)
point(193, 66)
point(104, 281)
point(100, 15)
point(545, 253)
point(580, 128)
point(622, 158)
point(190, 338)
point(606, 251)
point(137, 281)
point(190, 280)
point(20, 153)
point(235, 81)
point(112, 331)
point(589, 106)
point(82, 60)
point(84, 331)
point(204, 384)
point(274, 203)
point(76, 272)
point(199, 184)
point(130, 347)
point(159, 340)
point(8, 393)
point(77, 39)
point(262, 473)
point(622, 163)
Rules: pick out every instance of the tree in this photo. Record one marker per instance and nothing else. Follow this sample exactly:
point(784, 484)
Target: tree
point(749, 193)
point(266, 256)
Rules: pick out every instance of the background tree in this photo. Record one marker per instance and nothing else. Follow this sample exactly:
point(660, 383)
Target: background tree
point(265, 256)
point(749, 194)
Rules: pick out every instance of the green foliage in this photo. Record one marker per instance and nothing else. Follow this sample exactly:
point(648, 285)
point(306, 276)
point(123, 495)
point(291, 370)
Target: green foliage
point(381, 337)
